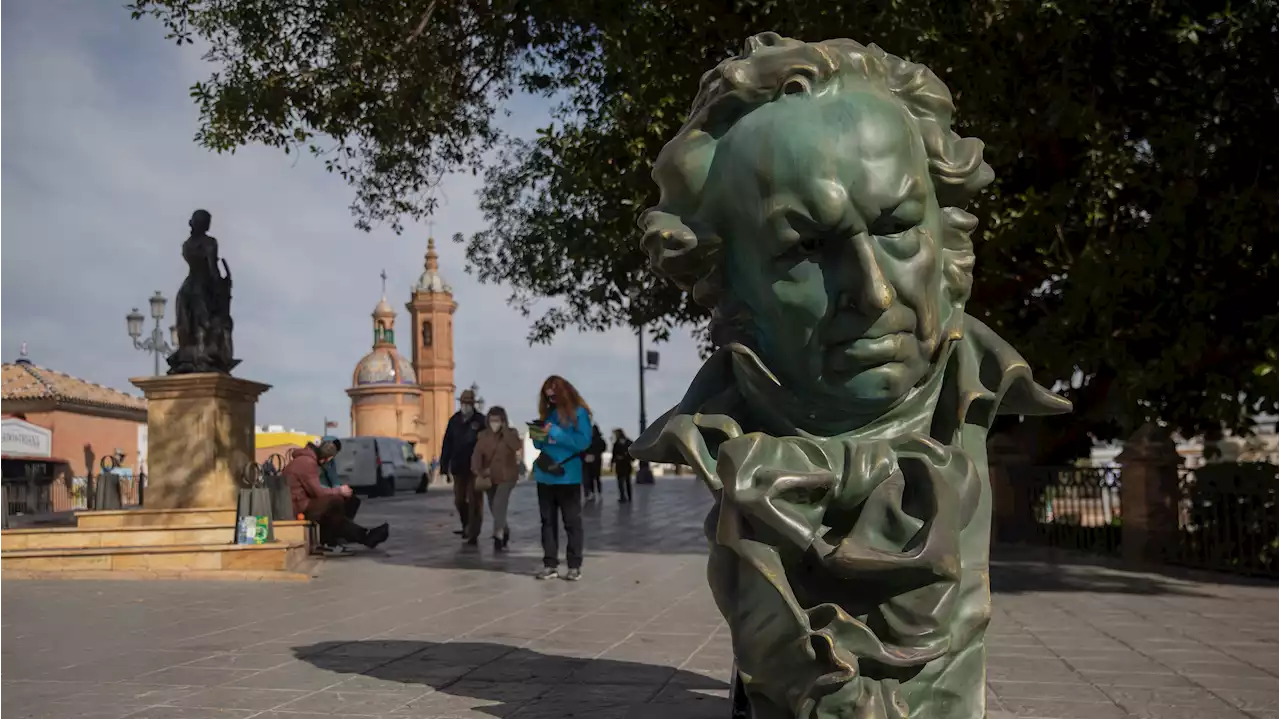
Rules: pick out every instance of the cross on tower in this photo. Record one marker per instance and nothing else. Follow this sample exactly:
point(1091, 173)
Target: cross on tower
point(384, 282)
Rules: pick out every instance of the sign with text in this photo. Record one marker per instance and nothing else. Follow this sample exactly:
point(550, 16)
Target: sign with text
point(26, 439)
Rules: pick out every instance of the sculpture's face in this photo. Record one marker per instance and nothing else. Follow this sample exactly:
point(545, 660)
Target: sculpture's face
point(830, 226)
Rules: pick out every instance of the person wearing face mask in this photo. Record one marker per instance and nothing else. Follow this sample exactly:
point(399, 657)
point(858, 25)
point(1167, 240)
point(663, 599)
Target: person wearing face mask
point(455, 461)
point(562, 433)
point(495, 465)
point(332, 508)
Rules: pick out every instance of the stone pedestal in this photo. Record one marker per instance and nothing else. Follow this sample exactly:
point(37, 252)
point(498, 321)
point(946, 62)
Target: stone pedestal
point(199, 438)
point(1148, 495)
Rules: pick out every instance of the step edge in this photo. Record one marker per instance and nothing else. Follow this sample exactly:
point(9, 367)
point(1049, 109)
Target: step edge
point(141, 511)
point(218, 575)
point(156, 549)
point(29, 531)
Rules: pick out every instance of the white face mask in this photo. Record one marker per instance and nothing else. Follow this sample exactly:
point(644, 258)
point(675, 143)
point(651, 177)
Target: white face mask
point(495, 425)
point(468, 410)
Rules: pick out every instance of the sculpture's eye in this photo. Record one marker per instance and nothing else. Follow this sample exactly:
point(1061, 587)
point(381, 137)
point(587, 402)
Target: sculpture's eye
point(890, 224)
point(803, 248)
point(807, 246)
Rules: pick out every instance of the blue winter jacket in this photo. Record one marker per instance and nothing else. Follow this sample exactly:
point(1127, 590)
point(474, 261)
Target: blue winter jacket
point(562, 443)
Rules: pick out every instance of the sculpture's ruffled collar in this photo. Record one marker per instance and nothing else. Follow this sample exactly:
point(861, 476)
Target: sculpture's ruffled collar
point(977, 377)
point(781, 413)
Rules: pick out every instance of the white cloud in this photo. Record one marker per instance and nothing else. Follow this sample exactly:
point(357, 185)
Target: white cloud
point(100, 175)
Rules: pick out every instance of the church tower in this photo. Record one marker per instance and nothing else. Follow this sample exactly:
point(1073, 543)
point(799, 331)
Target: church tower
point(431, 314)
point(386, 400)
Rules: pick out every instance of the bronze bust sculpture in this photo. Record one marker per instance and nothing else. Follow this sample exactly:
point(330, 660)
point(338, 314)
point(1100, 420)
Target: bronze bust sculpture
point(203, 306)
point(814, 201)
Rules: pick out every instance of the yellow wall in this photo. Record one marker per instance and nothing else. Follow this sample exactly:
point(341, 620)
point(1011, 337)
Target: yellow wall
point(275, 439)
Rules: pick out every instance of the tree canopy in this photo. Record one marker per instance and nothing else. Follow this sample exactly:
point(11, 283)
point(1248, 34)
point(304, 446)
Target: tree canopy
point(1128, 246)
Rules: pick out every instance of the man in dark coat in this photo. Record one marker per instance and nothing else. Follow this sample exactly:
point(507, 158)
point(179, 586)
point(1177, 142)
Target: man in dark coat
point(455, 460)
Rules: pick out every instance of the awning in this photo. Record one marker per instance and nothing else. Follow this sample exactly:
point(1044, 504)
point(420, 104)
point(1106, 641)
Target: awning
point(30, 458)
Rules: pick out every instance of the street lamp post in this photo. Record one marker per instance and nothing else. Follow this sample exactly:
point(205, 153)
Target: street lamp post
point(648, 361)
point(154, 344)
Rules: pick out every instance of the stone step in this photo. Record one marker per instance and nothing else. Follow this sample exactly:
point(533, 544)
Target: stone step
point(273, 557)
point(155, 517)
point(290, 532)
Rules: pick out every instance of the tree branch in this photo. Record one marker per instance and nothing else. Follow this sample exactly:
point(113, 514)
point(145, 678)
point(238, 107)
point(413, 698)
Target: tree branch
point(422, 24)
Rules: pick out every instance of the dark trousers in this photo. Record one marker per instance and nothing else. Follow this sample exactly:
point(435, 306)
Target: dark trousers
point(334, 516)
point(624, 483)
point(464, 499)
point(474, 522)
point(556, 502)
point(591, 477)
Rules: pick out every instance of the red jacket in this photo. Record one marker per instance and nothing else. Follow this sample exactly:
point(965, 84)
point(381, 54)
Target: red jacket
point(303, 473)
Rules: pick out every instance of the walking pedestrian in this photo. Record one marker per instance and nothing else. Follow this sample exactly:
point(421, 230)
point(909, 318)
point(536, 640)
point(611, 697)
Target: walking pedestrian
point(621, 462)
point(563, 434)
point(591, 465)
point(496, 466)
point(455, 460)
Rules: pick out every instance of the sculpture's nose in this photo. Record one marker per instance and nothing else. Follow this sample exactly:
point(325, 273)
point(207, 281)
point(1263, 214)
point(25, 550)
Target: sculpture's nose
point(864, 284)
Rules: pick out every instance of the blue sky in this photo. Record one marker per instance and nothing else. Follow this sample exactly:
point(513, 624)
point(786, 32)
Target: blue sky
point(100, 175)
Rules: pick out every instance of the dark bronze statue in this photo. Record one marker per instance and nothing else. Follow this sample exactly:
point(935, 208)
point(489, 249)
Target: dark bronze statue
point(203, 306)
point(814, 202)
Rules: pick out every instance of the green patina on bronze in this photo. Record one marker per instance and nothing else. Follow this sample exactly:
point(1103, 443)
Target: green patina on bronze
point(814, 200)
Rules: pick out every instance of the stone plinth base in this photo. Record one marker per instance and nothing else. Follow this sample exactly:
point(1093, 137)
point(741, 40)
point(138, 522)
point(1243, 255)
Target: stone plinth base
point(199, 438)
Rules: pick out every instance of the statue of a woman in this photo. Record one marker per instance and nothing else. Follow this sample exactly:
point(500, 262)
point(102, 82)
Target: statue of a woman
point(203, 306)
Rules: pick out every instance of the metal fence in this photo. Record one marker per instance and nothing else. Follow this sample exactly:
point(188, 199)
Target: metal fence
point(1073, 508)
point(1228, 519)
point(37, 494)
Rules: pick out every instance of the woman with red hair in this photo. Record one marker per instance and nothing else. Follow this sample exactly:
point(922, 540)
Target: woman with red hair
point(563, 434)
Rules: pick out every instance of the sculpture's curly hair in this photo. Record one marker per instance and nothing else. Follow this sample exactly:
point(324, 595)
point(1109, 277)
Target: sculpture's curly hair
point(769, 67)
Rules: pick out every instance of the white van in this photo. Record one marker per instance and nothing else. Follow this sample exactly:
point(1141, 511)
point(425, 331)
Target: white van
point(378, 466)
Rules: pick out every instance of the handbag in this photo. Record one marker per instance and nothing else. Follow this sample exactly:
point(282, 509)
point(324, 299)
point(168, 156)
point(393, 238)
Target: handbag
point(546, 464)
point(254, 508)
point(483, 481)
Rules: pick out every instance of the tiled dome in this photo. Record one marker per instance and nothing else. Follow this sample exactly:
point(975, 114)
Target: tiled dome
point(383, 365)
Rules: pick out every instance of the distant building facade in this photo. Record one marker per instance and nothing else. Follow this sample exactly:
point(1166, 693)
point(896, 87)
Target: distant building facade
point(63, 420)
point(1262, 446)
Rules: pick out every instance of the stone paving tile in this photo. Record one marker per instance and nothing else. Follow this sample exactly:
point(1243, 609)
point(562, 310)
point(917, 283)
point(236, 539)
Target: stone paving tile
point(429, 629)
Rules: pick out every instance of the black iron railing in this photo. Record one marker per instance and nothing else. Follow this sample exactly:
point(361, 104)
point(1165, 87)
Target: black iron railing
point(1227, 518)
point(1074, 508)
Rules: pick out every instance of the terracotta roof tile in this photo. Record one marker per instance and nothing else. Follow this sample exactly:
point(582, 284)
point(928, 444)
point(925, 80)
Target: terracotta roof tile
point(28, 381)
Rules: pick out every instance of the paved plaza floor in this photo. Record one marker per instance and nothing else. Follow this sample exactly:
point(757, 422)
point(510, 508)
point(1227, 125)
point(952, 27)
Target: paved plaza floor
point(427, 628)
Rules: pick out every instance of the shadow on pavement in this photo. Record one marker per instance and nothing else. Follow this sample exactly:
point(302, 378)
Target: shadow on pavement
point(497, 680)
point(1017, 569)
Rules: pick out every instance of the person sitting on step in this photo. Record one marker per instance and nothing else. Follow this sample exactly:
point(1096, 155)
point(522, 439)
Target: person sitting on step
point(331, 508)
